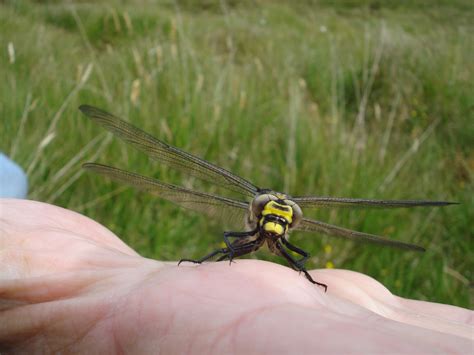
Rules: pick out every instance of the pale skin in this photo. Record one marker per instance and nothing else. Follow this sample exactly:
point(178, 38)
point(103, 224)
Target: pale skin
point(67, 284)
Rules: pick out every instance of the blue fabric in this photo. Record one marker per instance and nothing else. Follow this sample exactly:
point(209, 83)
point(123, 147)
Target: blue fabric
point(13, 180)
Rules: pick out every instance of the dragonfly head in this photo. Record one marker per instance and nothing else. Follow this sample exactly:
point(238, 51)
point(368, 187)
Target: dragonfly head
point(275, 213)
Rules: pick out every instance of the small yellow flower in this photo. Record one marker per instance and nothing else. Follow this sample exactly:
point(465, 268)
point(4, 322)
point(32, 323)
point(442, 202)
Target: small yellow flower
point(327, 249)
point(329, 265)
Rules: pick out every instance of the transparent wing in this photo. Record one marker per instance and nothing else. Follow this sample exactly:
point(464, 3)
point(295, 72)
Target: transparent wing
point(169, 155)
point(313, 202)
point(214, 206)
point(309, 225)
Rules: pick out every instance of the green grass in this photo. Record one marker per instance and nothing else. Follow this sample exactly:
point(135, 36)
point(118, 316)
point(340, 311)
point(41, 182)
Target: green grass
point(359, 99)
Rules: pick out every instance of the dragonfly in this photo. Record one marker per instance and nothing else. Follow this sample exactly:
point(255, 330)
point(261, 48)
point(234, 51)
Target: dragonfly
point(267, 216)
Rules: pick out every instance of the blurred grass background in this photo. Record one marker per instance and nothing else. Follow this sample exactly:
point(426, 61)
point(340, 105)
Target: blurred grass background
point(361, 98)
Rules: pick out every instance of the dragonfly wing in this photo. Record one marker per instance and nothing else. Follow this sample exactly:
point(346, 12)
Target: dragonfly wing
point(169, 155)
point(314, 202)
point(214, 206)
point(310, 225)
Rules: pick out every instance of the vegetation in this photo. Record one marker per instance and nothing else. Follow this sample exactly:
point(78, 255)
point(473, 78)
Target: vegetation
point(355, 99)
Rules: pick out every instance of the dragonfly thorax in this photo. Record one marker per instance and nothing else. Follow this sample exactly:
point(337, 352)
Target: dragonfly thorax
point(275, 213)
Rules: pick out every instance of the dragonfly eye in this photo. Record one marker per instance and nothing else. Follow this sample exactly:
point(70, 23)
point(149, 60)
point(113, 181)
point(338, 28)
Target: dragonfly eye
point(297, 213)
point(259, 203)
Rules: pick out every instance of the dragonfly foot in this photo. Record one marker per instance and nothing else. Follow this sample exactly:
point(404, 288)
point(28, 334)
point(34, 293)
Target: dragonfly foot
point(310, 279)
point(190, 260)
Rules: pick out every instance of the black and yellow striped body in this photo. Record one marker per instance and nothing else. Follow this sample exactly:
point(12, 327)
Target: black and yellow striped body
point(276, 217)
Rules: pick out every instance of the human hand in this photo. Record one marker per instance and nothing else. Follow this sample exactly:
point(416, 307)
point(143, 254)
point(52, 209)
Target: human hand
point(67, 284)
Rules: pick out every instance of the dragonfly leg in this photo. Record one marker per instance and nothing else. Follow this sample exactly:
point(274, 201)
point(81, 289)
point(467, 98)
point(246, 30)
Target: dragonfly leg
point(295, 264)
point(207, 257)
point(230, 246)
point(242, 249)
point(237, 248)
point(301, 252)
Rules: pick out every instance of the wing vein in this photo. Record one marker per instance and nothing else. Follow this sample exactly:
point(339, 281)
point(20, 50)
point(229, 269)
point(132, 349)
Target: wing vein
point(214, 206)
point(314, 202)
point(309, 225)
point(169, 155)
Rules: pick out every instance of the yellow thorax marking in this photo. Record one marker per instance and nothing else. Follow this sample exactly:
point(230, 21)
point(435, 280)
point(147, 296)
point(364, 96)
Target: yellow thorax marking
point(273, 207)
